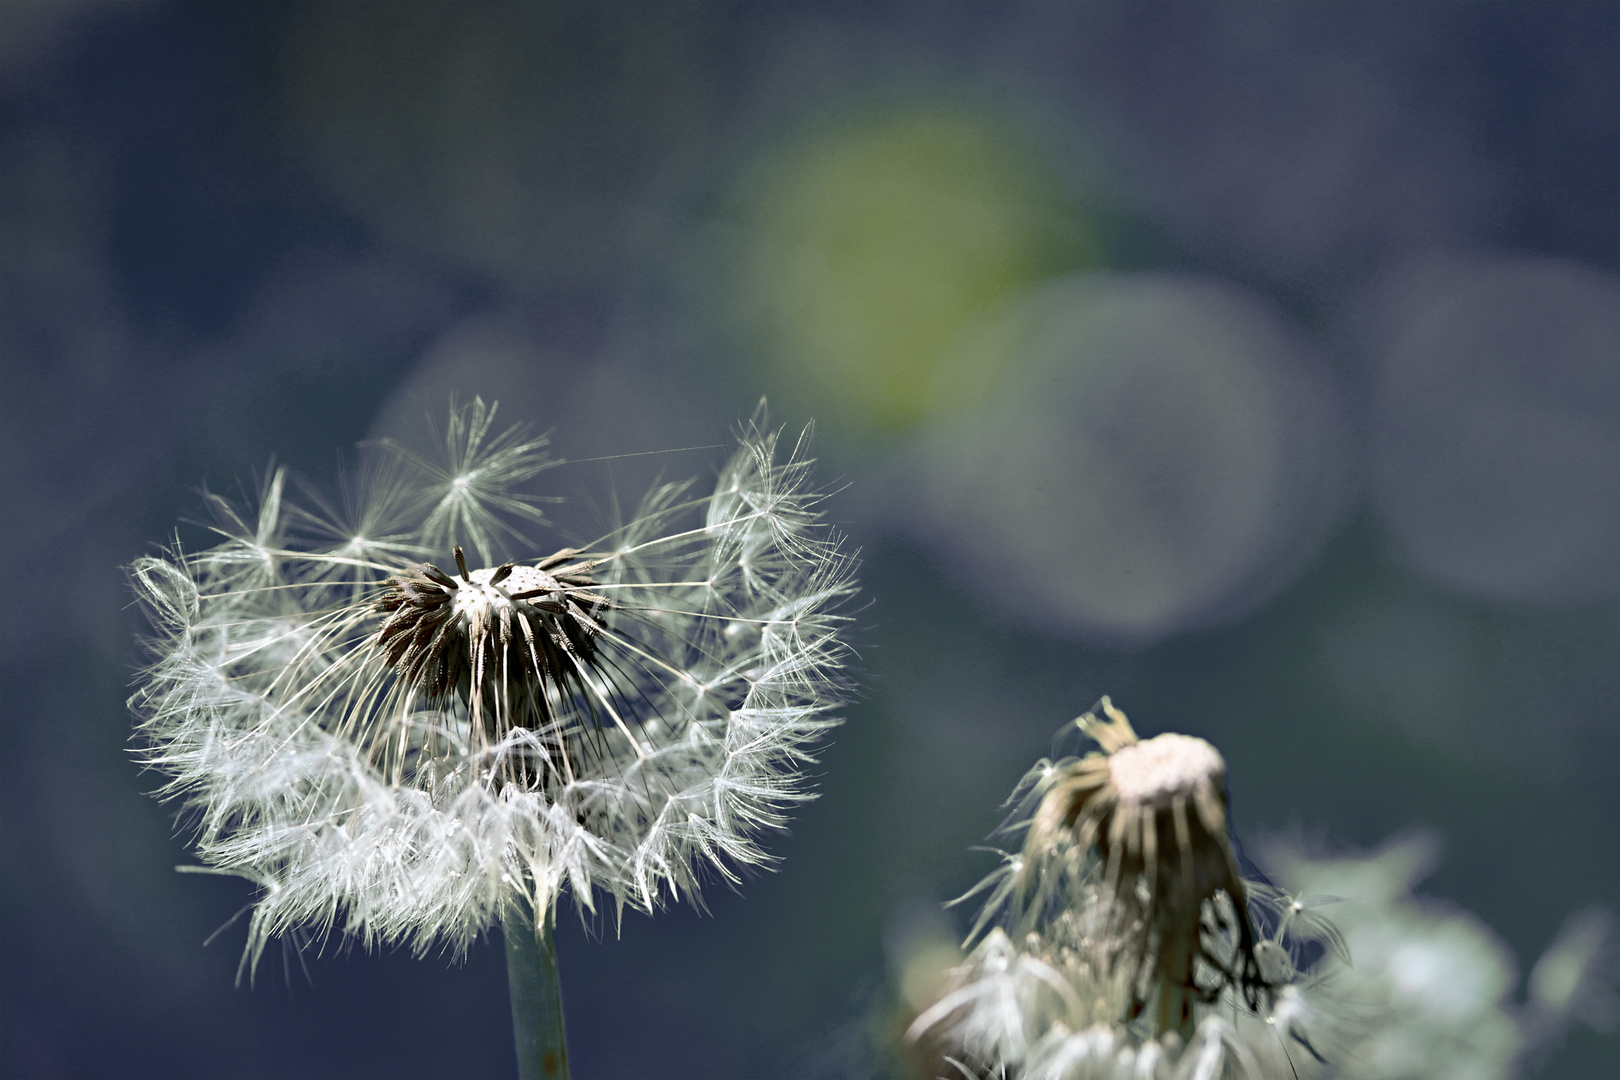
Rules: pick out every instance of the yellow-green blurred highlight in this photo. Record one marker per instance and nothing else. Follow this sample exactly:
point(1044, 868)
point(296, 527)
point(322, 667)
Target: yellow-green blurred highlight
point(871, 242)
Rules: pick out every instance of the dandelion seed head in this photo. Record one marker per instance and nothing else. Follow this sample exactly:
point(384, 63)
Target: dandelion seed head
point(397, 747)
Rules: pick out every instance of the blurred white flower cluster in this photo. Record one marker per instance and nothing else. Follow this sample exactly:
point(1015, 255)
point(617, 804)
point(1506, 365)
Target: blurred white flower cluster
point(396, 752)
point(1430, 995)
point(1127, 947)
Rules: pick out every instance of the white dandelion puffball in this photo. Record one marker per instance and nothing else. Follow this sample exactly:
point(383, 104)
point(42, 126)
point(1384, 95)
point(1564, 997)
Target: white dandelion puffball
point(397, 748)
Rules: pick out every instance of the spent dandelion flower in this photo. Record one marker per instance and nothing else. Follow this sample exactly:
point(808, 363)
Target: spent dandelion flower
point(1121, 939)
point(1153, 814)
point(399, 747)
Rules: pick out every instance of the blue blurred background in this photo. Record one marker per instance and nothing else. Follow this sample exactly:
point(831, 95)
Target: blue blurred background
point(1258, 365)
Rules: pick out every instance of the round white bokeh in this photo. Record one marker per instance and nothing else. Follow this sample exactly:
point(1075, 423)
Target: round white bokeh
point(1496, 432)
point(1162, 458)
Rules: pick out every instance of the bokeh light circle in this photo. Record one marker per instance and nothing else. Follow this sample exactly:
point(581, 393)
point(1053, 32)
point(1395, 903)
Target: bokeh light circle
point(865, 244)
point(1164, 456)
point(1496, 435)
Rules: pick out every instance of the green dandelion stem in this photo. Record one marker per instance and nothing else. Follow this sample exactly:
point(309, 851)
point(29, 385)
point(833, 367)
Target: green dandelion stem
point(537, 1014)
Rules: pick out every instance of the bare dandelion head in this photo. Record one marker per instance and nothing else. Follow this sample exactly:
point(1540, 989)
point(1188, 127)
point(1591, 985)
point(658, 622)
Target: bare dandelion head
point(1154, 813)
point(1121, 941)
point(1119, 938)
point(396, 749)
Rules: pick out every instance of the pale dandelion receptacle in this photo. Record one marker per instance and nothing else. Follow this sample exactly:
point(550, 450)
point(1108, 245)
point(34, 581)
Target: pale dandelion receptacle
point(399, 748)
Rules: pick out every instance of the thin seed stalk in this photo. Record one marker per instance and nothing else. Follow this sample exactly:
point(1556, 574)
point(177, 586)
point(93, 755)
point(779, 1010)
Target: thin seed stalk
point(537, 1015)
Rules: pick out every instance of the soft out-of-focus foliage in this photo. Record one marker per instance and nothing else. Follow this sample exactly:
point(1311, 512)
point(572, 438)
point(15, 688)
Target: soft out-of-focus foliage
point(1430, 990)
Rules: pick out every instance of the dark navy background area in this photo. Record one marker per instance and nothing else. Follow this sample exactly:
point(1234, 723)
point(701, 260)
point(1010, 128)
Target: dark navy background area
point(232, 232)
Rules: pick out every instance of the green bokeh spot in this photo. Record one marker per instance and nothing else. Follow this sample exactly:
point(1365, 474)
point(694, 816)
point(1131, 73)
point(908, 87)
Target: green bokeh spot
point(872, 243)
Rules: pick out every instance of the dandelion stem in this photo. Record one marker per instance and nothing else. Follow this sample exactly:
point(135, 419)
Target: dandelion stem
point(537, 1016)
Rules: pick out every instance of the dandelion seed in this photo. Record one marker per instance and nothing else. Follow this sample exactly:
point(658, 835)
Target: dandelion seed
point(398, 747)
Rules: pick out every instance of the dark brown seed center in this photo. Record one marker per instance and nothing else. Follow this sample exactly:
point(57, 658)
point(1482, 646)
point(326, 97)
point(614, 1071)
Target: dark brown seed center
point(517, 644)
